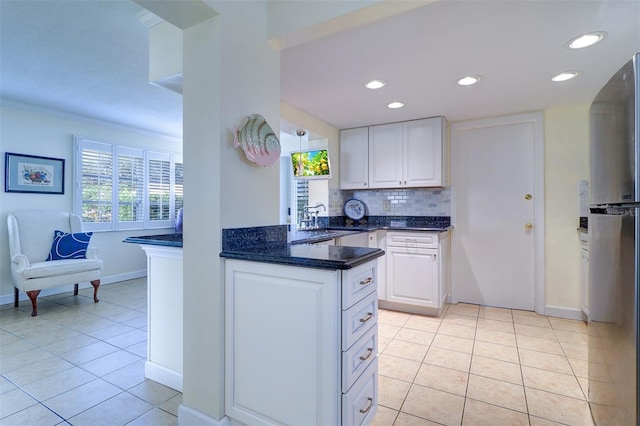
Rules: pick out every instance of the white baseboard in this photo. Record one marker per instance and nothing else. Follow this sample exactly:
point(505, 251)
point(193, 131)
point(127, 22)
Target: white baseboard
point(22, 296)
point(187, 416)
point(163, 375)
point(569, 313)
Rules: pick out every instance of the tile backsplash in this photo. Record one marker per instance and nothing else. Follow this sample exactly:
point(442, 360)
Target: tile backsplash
point(395, 202)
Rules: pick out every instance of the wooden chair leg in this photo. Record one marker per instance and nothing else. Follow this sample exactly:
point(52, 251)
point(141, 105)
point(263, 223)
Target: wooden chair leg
point(34, 304)
point(75, 289)
point(15, 297)
point(95, 284)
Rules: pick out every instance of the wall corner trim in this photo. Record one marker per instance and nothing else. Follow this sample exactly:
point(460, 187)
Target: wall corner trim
point(561, 312)
point(188, 416)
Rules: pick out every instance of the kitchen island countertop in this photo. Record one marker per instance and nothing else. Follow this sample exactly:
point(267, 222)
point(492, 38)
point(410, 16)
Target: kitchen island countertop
point(171, 240)
point(268, 244)
point(306, 255)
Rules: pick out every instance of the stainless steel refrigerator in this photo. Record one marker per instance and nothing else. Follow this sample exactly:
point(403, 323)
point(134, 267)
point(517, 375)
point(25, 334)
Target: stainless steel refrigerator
point(614, 219)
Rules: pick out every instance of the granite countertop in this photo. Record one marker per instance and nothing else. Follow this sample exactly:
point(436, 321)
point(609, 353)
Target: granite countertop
point(311, 236)
point(172, 240)
point(368, 228)
point(268, 244)
point(306, 255)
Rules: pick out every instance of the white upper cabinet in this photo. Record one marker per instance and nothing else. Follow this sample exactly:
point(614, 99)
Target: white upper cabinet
point(423, 152)
point(354, 158)
point(385, 156)
point(398, 155)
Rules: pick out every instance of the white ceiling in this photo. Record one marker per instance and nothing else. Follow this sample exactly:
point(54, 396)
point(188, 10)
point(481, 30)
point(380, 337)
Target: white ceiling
point(90, 57)
point(517, 46)
point(87, 57)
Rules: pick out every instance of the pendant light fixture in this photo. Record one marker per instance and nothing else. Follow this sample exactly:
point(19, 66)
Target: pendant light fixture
point(300, 169)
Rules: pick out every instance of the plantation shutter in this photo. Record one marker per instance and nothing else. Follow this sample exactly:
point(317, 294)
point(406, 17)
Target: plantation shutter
point(118, 187)
point(159, 189)
point(130, 187)
point(96, 183)
point(178, 188)
point(302, 195)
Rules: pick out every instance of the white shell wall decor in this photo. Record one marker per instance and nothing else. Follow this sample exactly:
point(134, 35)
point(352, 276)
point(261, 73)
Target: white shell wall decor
point(259, 143)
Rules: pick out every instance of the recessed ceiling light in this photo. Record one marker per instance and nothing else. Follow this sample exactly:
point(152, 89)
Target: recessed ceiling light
point(395, 104)
point(469, 80)
point(375, 84)
point(564, 76)
point(586, 40)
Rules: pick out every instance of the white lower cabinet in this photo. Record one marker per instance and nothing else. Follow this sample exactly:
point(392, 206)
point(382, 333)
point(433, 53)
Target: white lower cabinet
point(417, 271)
point(300, 344)
point(354, 240)
point(413, 276)
point(164, 317)
point(359, 403)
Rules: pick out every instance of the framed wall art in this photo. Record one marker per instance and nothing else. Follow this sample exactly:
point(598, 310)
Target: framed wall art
point(30, 173)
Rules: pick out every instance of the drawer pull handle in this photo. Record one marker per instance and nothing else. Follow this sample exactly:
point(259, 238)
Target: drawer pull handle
point(366, 410)
point(367, 281)
point(366, 357)
point(367, 317)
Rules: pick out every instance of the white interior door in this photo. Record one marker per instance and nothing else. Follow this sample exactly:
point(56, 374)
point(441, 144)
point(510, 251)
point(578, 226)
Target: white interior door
point(497, 180)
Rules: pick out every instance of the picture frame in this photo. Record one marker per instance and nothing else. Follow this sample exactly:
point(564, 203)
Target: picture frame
point(33, 174)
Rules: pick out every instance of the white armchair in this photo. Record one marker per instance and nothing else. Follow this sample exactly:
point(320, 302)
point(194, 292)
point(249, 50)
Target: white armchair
point(31, 235)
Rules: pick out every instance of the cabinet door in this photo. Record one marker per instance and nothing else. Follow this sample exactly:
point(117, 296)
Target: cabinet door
point(423, 153)
point(412, 276)
point(354, 158)
point(381, 240)
point(373, 239)
point(331, 242)
point(354, 240)
point(282, 344)
point(385, 156)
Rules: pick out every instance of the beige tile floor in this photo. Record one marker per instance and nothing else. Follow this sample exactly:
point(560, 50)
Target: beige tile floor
point(479, 365)
point(82, 363)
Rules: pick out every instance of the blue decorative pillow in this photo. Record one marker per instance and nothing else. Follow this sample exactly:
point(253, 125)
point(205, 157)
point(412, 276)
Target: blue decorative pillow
point(69, 246)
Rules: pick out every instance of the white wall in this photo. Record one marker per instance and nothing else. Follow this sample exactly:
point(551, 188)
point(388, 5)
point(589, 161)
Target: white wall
point(301, 119)
point(566, 163)
point(324, 136)
point(230, 72)
point(27, 130)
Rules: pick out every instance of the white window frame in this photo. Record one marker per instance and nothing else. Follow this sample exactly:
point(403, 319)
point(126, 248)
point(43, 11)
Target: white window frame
point(115, 224)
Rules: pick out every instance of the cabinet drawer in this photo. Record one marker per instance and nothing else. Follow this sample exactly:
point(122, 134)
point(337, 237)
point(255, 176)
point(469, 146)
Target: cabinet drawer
point(358, 282)
point(359, 357)
point(421, 240)
point(358, 319)
point(360, 404)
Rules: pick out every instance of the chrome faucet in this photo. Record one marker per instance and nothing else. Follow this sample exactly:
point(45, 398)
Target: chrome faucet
point(306, 217)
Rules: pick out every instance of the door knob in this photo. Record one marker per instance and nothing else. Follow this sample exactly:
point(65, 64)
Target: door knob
point(528, 226)
point(528, 197)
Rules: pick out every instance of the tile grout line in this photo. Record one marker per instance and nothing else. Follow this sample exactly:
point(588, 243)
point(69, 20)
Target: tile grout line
point(466, 390)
